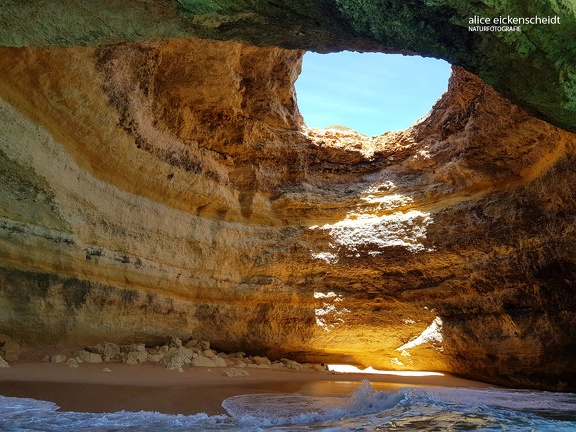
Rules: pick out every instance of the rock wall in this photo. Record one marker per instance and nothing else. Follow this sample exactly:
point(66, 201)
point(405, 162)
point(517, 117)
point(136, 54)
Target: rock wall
point(171, 188)
point(534, 67)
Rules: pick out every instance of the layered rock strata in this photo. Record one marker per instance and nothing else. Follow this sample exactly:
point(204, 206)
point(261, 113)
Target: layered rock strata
point(172, 187)
point(533, 64)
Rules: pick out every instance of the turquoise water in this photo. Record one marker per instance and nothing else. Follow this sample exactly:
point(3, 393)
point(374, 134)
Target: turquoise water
point(366, 409)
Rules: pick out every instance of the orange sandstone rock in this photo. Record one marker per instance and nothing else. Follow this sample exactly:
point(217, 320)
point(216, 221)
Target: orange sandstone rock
point(172, 187)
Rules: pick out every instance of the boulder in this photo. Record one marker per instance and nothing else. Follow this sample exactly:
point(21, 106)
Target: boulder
point(202, 361)
point(108, 351)
point(291, 364)
point(174, 342)
point(10, 350)
point(3, 363)
point(318, 367)
point(156, 357)
point(261, 360)
point(232, 372)
point(98, 348)
point(133, 347)
point(4, 338)
point(72, 362)
point(134, 357)
point(219, 362)
point(111, 352)
point(237, 362)
point(88, 357)
point(60, 358)
point(176, 358)
point(191, 343)
point(204, 345)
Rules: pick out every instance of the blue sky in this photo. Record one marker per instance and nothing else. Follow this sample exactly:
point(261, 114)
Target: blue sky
point(370, 92)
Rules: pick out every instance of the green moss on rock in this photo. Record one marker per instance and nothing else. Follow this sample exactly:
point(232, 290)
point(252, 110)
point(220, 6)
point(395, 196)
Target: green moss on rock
point(534, 67)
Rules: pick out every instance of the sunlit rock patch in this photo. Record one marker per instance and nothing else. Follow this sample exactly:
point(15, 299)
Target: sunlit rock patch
point(150, 191)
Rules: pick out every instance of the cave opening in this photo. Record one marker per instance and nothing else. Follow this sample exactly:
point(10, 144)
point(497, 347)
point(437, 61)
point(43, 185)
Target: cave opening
point(371, 93)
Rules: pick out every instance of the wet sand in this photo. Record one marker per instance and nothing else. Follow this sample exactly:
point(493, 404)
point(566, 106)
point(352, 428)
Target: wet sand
point(151, 387)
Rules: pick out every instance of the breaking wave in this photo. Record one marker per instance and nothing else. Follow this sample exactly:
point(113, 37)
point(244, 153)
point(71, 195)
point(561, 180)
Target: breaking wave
point(421, 409)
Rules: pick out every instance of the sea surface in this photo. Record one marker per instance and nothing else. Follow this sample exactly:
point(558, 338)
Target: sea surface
point(364, 409)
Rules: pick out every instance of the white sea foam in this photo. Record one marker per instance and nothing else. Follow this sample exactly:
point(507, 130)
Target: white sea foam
point(423, 409)
point(278, 409)
point(23, 415)
point(507, 398)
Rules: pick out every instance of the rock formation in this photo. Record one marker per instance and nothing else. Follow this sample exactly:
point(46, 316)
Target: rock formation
point(164, 187)
point(534, 67)
point(173, 355)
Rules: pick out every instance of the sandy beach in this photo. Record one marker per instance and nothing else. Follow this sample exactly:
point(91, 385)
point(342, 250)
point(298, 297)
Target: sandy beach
point(151, 387)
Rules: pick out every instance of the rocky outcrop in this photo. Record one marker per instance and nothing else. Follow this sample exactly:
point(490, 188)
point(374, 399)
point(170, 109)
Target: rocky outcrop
point(533, 66)
point(174, 355)
point(9, 349)
point(171, 187)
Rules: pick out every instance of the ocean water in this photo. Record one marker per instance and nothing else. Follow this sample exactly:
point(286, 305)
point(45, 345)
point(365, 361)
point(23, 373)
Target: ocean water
point(365, 409)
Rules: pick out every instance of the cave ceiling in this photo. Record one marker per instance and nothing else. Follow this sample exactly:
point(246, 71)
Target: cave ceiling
point(534, 67)
point(158, 179)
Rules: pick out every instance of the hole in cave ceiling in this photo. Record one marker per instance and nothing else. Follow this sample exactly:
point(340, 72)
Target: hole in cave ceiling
point(371, 93)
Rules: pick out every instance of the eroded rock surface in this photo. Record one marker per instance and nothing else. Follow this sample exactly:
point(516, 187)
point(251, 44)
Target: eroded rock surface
point(533, 66)
point(171, 187)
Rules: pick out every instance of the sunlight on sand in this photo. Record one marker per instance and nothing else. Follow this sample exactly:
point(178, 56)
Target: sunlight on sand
point(370, 370)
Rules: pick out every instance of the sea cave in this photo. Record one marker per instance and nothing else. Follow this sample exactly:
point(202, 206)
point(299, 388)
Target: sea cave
point(158, 179)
